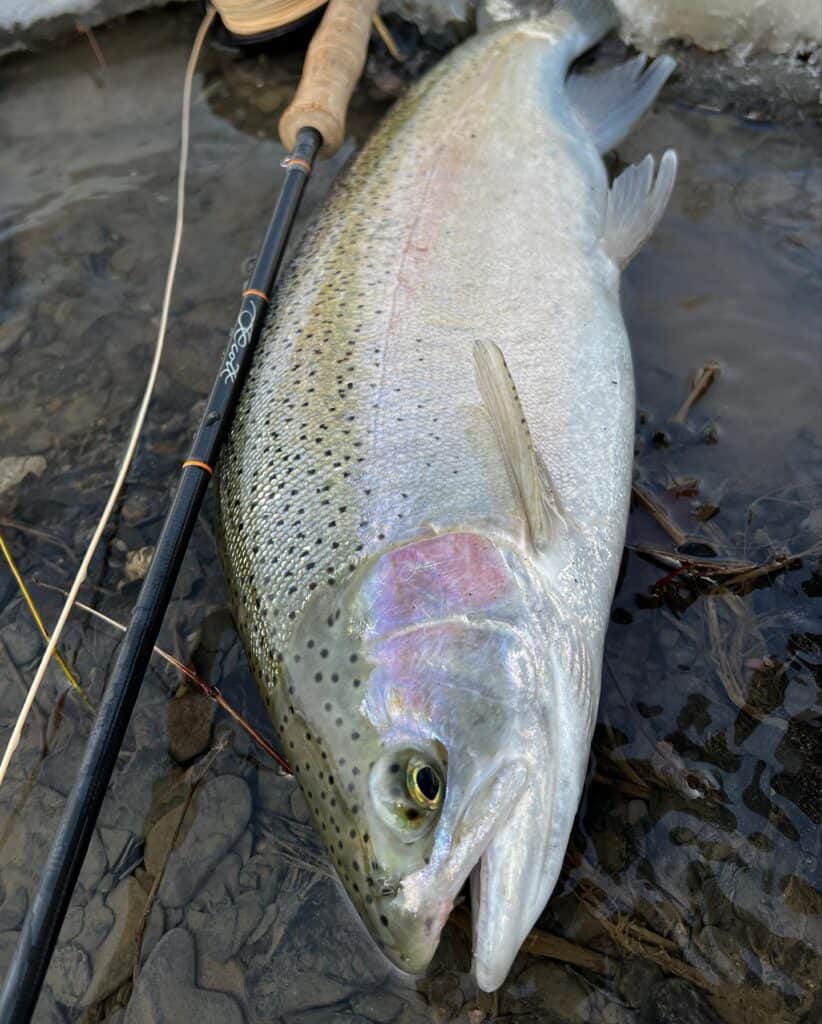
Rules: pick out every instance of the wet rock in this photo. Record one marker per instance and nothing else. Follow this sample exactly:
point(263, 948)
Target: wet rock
point(637, 810)
point(380, 1007)
point(15, 468)
point(299, 808)
point(131, 793)
point(22, 641)
point(221, 812)
point(98, 920)
point(274, 793)
point(551, 984)
point(95, 863)
point(13, 909)
point(223, 929)
point(166, 990)
point(114, 960)
point(675, 1002)
point(189, 725)
point(13, 329)
point(635, 980)
point(281, 987)
point(69, 974)
point(114, 842)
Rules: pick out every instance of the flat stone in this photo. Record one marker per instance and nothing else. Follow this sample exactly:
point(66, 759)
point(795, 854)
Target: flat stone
point(114, 960)
point(167, 993)
point(221, 812)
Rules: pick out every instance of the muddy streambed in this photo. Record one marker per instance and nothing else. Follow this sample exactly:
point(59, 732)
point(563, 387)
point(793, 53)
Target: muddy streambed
point(692, 888)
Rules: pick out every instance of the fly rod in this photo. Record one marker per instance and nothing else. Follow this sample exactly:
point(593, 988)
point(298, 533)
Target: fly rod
point(313, 123)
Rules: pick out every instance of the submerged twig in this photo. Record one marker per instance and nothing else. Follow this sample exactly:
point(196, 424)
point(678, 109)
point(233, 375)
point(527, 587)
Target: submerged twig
point(637, 940)
point(727, 654)
point(13, 524)
point(384, 33)
point(98, 53)
point(35, 614)
point(704, 379)
point(662, 518)
point(208, 688)
point(542, 943)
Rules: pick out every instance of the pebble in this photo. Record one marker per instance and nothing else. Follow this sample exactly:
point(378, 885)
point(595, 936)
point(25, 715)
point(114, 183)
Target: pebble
point(552, 984)
point(221, 811)
point(635, 979)
point(13, 909)
point(137, 563)
point(379, 1007)
point(166, 991)
point(15, 468)
point(22, 641)
point(69, 974)
point(189, 725)
point(98, 920)
point(637, 810)
point(114, 842)
point(676, 1002)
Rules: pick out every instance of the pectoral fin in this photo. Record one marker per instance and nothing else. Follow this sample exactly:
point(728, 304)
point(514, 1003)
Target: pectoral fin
point(636, 203)
point(540, 503)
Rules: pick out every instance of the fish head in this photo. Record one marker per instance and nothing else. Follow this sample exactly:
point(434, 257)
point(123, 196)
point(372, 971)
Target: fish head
point(418, 732)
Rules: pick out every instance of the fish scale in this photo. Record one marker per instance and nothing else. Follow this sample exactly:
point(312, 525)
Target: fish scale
point(423, 496)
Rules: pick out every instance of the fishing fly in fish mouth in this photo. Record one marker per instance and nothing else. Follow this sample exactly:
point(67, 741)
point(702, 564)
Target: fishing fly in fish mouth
point(423, 498)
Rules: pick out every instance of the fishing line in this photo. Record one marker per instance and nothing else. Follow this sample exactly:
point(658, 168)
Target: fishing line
point(82, 572)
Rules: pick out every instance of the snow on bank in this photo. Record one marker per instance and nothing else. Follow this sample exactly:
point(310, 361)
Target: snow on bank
point(775, 26)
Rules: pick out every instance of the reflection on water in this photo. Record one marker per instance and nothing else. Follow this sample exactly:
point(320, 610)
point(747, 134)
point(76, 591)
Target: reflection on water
point(692, 888)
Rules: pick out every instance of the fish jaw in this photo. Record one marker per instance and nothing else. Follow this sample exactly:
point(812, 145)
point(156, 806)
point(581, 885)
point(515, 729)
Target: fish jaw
point(515, 878)
point(425, 899)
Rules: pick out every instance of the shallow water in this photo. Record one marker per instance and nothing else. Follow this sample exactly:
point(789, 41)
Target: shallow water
point(694, 865)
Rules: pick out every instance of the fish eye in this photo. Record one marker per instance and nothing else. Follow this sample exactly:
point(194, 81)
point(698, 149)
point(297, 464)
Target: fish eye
point(408, 789)
point(424, 784)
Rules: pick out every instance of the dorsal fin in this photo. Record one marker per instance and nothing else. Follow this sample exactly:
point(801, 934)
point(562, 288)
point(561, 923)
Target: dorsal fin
point(636, 203)
point(609, 103)
point(543, 510)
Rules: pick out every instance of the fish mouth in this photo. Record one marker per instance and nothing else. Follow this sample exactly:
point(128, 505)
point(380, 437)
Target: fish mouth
point(426, 898)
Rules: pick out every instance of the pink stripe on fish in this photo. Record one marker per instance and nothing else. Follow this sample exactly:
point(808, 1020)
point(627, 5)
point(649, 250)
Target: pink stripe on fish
point(453, 574)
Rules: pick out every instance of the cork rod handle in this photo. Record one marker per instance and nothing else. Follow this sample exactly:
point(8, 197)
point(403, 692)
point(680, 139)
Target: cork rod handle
point(333, 65)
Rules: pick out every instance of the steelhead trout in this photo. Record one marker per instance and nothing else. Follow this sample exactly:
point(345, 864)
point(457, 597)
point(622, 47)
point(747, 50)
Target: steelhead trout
point(424, 494)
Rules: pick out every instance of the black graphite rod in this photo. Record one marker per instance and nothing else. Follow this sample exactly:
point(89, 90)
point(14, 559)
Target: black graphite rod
point(45, 916)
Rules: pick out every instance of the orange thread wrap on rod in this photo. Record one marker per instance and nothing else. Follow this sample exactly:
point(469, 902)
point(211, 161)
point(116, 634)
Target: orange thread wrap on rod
point(333, 65)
